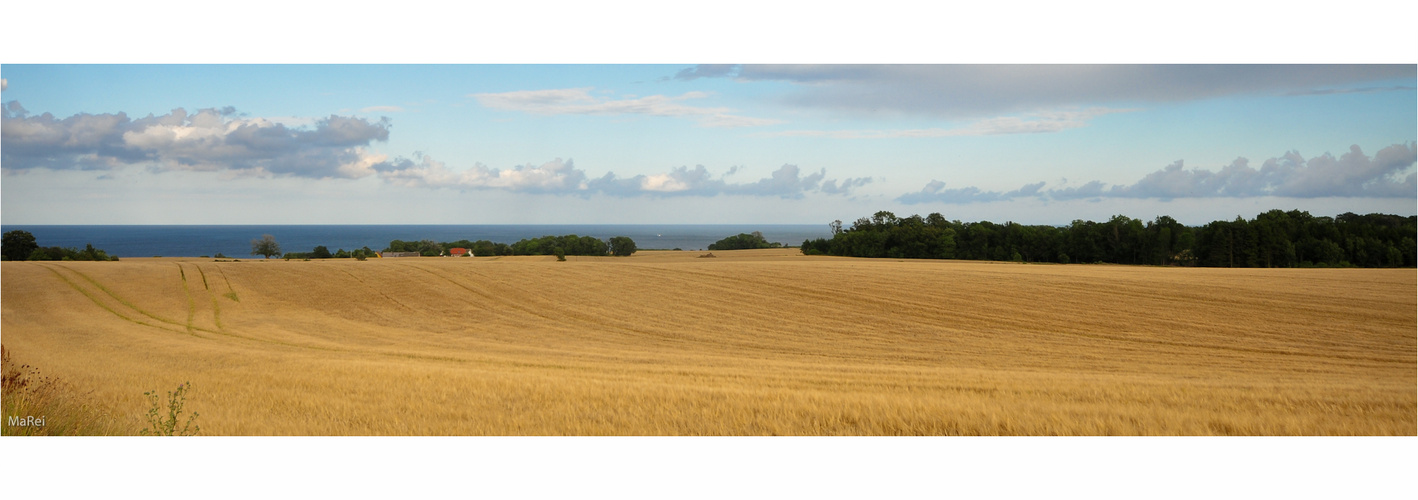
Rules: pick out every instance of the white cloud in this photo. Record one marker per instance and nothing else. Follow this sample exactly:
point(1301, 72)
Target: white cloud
point(562, 177)
point(580, 101)
point(935, 192)
point(1388, 174)
point(208, 140)
point(663, 183)
point(555, 176)
point(4, 84)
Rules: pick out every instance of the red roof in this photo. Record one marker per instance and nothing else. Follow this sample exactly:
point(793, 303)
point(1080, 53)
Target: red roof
point(457, 251)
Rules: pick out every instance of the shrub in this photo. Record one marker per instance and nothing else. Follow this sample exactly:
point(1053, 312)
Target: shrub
point(742, 241)
point(166, 425)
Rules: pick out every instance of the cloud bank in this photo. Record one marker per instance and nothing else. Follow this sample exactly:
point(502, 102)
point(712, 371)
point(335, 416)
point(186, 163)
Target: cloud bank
point(335, 147)
point(973, 91)
point(1352, 174)
point(562, 177)
point(208, 140)
point(579, 101)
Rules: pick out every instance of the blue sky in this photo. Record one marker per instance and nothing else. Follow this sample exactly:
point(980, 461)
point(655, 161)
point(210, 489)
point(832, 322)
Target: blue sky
point(681, 143)
point(579, 113)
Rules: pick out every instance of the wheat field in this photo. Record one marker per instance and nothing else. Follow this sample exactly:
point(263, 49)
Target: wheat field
point(752, 342)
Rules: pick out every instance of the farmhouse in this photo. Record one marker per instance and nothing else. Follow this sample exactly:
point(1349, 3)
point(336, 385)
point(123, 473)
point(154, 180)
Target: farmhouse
point(399, 254)
point(459, 252)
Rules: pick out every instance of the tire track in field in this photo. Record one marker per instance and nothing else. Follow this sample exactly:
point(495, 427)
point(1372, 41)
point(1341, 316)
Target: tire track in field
point(451, 324)
point(191, 304)
point(489, 296)
point(1031, 326)
point(117, 297)
point(826, 303)
point(175, 327)
point(231, 292)
point(890, 328)
point(669, 336)
point(380, 291)
point(100, 303)
point(700, 306)
point(204, 277)
point(216, 307)
point(576, 318)
point(578, 322)
point(166, 322)
point(806, 335)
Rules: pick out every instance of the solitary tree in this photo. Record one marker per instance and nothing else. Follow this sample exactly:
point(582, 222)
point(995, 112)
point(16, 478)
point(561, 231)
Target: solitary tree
point(18, 245)
point(622, 246)
point(266, 246)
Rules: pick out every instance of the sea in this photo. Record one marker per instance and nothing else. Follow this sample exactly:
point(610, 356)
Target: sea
point(235, 240)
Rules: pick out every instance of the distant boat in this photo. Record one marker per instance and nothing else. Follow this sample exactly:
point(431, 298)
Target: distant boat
point(657, 235)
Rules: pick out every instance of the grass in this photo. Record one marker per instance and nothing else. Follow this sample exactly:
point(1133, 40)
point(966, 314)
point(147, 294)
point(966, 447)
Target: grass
point(755, 342)
point(58, 408)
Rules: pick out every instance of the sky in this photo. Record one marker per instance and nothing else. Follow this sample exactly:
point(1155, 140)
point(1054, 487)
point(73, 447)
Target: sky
point(617, 143)
point(500, 113)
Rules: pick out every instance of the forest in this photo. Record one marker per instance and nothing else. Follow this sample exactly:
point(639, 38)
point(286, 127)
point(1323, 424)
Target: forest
point(1272, 239)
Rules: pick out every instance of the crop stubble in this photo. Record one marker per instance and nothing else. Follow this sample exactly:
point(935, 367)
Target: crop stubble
point(751, 342)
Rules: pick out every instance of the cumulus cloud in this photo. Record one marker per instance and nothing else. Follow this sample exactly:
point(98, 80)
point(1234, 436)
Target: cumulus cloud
point(831, 187)
point(1352, 174)
point(562, 177)
point(4, 84)
point(972, 91)
point(1034, 123)
point(679, 181)
point(555, 176)
point(579, 101)
point(208, 140)
point(935, 192)
point(1387, 174)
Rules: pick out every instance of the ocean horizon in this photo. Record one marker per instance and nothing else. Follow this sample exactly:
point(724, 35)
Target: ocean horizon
point(235, 240)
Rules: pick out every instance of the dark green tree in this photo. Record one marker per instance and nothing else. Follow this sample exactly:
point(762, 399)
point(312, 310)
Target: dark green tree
point(622, 246)
point(320, 252)
point(17, 245)
point(741, 241)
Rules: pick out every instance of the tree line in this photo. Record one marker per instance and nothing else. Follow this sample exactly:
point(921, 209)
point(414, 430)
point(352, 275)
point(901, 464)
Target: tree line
point(21, 245)
point(560, 246)
point(546, 245)
point(1272, 239)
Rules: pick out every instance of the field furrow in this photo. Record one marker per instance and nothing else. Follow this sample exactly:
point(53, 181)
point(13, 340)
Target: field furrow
point(750, 342)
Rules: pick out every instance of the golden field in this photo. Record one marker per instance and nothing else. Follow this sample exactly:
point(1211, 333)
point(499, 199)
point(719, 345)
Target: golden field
point(754, 342)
